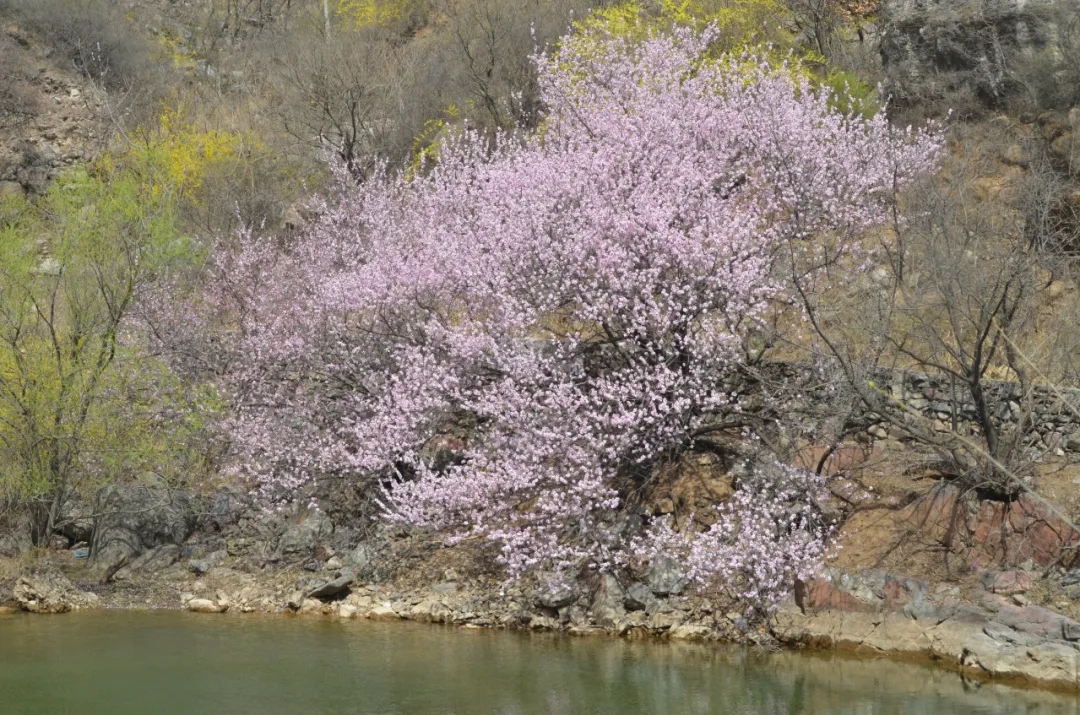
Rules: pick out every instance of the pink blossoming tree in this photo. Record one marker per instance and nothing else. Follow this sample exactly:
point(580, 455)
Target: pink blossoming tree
point(770, 532)
point(574, 298)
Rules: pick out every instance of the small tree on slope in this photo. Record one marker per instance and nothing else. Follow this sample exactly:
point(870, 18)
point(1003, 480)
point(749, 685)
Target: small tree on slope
point(576, 295)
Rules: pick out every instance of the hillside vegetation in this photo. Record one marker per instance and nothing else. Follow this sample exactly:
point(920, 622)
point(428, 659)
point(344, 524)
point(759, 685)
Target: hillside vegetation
point(505, 271)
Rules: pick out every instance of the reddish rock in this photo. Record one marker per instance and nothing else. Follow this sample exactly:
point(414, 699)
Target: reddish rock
point(819, 594)
point(1020, 530)
point(1006, 582)
point(988, 522)
point(939, 515)
point(895, 593)
point(1007, 533)
point(841, 460)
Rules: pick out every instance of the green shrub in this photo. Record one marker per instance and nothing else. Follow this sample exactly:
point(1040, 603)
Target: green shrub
point(82, 400)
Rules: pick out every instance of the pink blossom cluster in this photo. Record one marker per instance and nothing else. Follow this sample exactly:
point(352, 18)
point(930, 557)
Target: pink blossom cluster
point(769, 534)
point(575, 295)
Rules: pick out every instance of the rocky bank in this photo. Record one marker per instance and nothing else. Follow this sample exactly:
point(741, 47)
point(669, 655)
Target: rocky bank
point(221, 556)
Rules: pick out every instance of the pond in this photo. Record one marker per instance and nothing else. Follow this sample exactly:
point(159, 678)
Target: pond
point(165, 663)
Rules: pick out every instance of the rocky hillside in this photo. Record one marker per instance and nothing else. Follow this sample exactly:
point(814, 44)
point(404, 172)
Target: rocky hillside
point(51, 117)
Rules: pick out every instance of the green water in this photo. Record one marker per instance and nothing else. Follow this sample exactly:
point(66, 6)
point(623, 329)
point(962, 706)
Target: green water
point(169, 663)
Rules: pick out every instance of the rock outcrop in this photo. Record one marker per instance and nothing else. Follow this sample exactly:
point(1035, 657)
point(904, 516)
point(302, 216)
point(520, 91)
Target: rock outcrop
point(887, 614)
point(333, 588)
point(15, 542)
point(132, 519)
point(931, 48)
point(50, 592)
point(301, 538)
point(1000, 532)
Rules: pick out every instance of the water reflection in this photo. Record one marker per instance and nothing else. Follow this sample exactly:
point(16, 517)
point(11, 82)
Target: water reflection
point(172, 663)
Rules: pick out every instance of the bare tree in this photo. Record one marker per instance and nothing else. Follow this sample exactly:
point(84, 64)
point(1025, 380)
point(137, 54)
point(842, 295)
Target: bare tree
point(365, 95)
point(953, 293)
point(342, 96)
point(492, 42)
point(818, 22)
point(966, 306)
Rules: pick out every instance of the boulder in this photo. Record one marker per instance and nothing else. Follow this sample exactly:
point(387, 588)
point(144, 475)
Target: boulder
point(35, 179)
point(690, 632)
point(543, 623)
point(154, 560)
point(431, 611)
point(132, 519)
point(1006, 582)
point(365, 559)
point(301, 538)
point(1036, 621)
point(77, 520)
point(638, 597)
point(50, 592)
point(313, 605)
point(421, 612)
point(360, 557)
point(208, 562)
point(205, 605)
point(333, 588)
point(446, 588)
point(607, 605)
point(295, 600)
point(556, 596)
point(227, 507)
point(665, 577)
point(14, 543)
point(383, 612)
point(667, 620)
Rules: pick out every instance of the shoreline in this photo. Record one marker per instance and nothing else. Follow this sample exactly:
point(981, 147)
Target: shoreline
point(991, 641)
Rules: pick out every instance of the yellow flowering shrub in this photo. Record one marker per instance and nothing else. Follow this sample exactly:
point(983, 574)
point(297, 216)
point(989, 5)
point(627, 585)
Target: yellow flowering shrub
point(743, 24)
point(188, 153)
point(372, 13)
point(177, 156)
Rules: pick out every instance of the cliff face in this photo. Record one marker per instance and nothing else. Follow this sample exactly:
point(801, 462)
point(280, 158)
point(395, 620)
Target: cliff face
point(992, 49)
